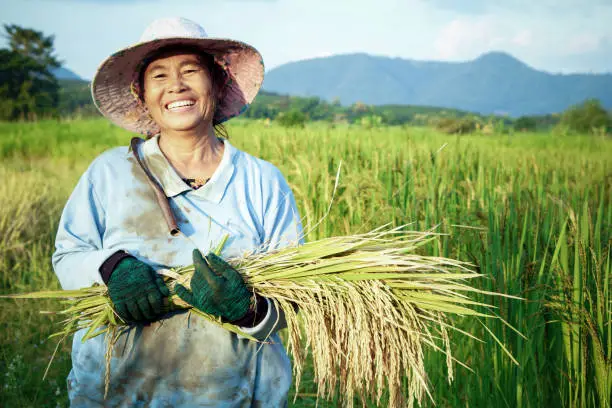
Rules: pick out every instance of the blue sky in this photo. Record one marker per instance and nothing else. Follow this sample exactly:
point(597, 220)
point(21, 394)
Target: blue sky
point(551, 35)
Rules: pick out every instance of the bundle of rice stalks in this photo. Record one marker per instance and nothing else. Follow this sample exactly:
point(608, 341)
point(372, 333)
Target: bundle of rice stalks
point(368, 306)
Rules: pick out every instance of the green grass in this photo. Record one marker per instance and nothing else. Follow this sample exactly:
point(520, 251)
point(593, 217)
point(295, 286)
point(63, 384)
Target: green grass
point(531, 211)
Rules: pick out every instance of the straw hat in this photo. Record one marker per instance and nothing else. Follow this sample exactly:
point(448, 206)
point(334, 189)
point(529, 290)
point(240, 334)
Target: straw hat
point(113, 85)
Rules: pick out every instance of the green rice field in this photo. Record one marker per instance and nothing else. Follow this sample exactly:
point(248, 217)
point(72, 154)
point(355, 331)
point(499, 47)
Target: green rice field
point(531, 211)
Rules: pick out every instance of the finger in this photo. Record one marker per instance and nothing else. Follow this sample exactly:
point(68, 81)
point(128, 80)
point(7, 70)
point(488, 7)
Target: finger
point(184, 293)
point(161, 285)
point(122, 312)
point(198, 261)
point(145, 308)
point(203, 275)
point(221, 267)
point(134, 311)
point(156, 301)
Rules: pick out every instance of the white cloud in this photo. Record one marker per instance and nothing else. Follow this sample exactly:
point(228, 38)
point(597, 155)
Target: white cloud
point(584, 43)
point(551, 7)
point(523, 38)
point(467, 37)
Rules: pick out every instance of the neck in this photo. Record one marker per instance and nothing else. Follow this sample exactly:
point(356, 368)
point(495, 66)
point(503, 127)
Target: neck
point(192, 153)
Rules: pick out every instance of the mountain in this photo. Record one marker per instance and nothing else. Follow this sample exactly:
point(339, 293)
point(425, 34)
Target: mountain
point(65, 73)
point(494, 83)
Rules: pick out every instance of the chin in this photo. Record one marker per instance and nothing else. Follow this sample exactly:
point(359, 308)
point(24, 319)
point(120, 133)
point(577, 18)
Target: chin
point(183, 126)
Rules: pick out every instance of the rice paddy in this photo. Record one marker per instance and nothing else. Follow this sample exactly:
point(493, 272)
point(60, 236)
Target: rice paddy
point(531, 212)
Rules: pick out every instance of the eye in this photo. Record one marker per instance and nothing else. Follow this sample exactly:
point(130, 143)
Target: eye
point(159, 76)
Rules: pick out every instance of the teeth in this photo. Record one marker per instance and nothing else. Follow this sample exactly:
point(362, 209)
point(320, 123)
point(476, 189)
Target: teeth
point(178, 104)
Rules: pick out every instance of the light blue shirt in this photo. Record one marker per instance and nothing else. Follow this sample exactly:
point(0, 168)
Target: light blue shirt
point(181, 360)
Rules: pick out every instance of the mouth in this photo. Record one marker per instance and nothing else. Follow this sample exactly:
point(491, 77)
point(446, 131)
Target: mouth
point(179, 106)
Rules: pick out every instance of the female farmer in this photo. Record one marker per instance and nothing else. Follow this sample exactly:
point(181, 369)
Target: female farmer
point(177, 86)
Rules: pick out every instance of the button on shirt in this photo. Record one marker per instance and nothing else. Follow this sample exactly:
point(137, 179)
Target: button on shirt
point(182, 359)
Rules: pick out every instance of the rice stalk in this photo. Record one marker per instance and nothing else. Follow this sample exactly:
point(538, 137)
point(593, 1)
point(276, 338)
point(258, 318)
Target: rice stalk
point(368, 306)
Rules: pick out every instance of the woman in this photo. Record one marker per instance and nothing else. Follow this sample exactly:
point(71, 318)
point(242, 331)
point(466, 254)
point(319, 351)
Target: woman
point(177, 86)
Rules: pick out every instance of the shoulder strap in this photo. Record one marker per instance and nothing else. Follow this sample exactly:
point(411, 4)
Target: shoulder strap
point(162, 200)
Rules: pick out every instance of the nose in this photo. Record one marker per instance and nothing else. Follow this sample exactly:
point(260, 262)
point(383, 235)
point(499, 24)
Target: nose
point(176, 84)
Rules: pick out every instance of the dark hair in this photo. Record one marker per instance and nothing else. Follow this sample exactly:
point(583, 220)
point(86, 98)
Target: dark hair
point(217, 74)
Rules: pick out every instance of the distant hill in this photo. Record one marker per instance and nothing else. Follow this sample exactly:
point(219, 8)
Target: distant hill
point(495, 83)
point(65, 73)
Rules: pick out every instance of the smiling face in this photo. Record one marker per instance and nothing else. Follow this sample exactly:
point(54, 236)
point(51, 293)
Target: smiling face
point(178, 92)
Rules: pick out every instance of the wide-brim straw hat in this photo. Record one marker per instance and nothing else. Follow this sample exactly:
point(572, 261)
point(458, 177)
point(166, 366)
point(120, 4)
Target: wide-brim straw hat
point(113, 84)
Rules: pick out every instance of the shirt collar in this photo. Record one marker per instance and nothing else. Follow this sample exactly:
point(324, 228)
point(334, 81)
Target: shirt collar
point(172, 183)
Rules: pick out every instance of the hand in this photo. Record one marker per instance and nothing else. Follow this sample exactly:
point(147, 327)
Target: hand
point(216, 288)
point(136, 291)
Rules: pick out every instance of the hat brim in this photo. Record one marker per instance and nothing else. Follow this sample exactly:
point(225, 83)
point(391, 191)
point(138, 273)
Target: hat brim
point(111, 86)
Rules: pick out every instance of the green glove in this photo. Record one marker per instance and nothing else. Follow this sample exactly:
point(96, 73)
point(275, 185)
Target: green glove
point(136, 291)
point(216, 288)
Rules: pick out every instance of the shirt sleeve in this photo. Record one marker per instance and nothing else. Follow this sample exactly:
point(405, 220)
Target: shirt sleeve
point(78, 245)
point(272, 322)
point(282, 227)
